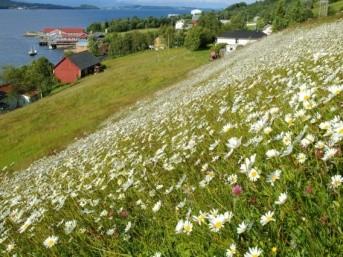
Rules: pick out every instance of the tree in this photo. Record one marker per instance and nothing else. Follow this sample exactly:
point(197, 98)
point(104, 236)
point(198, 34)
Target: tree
point(42, 77)
point(193, 39)
point(211, 22)
point(167, 33)
point(238, 22)
point(260, 23)
point(37, 76)
point(93, 46)
point(197, 38)
point(280, 21)
point(298, 12)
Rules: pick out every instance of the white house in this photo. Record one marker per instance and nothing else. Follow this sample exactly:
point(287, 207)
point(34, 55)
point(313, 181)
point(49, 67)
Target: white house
point(232, 39)
point(180, 24)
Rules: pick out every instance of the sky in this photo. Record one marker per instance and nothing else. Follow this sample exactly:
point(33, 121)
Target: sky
point(111, 3)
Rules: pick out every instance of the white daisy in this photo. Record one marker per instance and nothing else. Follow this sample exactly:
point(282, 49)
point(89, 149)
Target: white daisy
point(272, 153)
point(187, 227)
point(254, 174)
point(242, 228)
point(50, 241)
point(267, 217)
point(329, 153)
point(69, 226)
point(232, 250)
point(253, 252)
point(282, 199)
point(234, 142)
point(301, 158)
point(336, 181)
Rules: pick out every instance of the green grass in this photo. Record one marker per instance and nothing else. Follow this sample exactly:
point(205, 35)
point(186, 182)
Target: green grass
point(52, 123)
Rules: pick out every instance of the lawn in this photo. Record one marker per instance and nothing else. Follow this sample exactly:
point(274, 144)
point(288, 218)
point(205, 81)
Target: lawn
point(51, 124)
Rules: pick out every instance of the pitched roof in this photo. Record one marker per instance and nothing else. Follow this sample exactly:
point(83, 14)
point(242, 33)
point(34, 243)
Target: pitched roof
point(65, 30)
point(242, 34)
point(6, 88)
point(83, 60)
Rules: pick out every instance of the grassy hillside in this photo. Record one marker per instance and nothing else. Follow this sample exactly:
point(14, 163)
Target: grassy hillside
point(52, 123)
point(248, 163)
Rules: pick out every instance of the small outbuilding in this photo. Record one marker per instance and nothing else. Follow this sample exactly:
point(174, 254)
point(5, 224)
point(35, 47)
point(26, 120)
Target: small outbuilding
point(76, 66)
point(10, 100)
point(233, 39)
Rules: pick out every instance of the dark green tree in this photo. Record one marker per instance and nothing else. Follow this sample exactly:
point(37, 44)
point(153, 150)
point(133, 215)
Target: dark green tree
point(280, 20)
point(211, 22)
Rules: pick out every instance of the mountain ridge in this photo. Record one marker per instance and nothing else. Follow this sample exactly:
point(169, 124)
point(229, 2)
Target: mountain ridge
point(8, 4)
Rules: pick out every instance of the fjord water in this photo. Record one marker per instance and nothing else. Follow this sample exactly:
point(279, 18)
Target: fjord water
point(14, 23)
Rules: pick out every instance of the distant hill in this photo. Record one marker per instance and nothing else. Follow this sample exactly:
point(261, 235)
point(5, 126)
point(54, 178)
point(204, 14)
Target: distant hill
point(8, 4)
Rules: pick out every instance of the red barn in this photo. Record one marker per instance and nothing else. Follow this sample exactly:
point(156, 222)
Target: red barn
point(76, 66)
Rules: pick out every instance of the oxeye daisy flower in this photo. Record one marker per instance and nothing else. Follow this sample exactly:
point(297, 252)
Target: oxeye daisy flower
point(287, 139)
point(232, 250)
point(272, 153)
point(329, 153)
point(157, 206)
point(69, 226)
point(282, 199)
point(179, 227)
point(242, 227)
point(273, 177)
point(234, 142)
point(267, 130)
point(254, 174)
point(232, 179)
point(216, 223)
point(10, 247)
point(253, 252)
point(301, 158)
point(200, 219)
point(336, 181)
point(267, 217)
point(50, 241)
point(187, 227)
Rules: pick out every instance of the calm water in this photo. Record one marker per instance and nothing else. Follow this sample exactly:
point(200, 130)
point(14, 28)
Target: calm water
point(14, 23)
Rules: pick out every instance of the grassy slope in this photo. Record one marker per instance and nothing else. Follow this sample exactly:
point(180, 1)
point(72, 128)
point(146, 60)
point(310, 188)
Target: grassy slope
point(52, 123)
point(181, 160)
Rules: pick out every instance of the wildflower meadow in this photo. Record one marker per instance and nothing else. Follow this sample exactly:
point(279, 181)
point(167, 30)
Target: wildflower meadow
point(247, 162)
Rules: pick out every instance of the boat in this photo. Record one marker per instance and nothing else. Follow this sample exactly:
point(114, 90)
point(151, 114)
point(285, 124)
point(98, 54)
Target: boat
point(33, 52)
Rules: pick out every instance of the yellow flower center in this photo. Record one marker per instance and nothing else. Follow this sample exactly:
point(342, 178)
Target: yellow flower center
point(218, 224)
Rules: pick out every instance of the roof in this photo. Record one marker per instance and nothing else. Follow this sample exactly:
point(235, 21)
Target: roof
point(65, 30)
point(242, 34)
point(82, 60)
point(7, 88)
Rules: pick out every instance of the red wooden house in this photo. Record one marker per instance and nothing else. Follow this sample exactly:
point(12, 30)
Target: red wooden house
point(76, 66)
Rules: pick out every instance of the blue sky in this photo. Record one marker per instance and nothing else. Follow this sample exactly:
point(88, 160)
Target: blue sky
point(110, 3)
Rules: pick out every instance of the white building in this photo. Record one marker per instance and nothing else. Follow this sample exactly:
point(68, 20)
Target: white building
point(225, 21)
point(268, 30)
point(196, 12)
point(180, 25)
point(233, 39)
